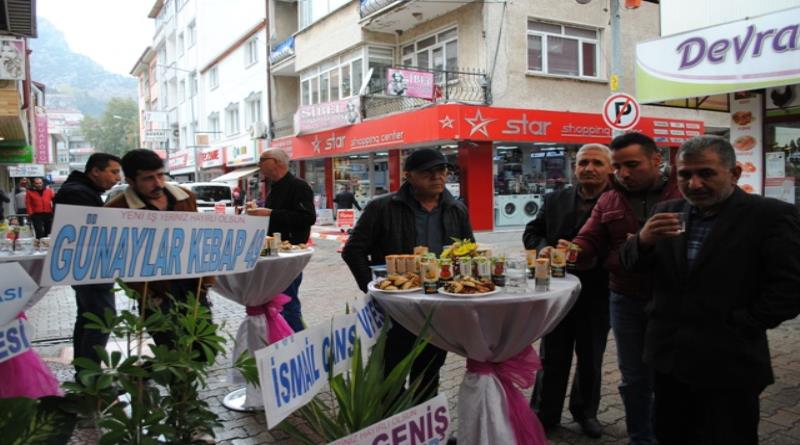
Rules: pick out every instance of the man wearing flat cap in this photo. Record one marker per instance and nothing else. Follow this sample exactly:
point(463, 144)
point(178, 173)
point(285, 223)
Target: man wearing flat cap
point(421, 213)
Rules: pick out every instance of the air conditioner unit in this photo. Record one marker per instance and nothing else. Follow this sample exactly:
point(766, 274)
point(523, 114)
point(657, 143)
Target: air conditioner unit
point(258, 130)
point(201, 139)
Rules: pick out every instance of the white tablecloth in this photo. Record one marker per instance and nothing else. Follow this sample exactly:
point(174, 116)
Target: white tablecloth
point(270, 277)
point(488, 329)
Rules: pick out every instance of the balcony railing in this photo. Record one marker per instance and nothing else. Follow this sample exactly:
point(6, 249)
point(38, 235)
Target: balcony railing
point(282, 51)
point(463, 86)
point(370, 6)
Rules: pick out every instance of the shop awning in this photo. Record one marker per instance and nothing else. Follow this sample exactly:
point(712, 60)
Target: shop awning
point(236, 174)
point(753, 53)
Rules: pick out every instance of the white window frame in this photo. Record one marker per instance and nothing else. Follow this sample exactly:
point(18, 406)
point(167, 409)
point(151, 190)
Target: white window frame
point(315, 75)
point(181, 44)
point(232, 124)
point(413, 58)
point(181, 91)
point(213, 126)
point(305, 17)
point(191, 32)
point(543, 35)
point(251, 52)
point(252, 110)
point(213, 78)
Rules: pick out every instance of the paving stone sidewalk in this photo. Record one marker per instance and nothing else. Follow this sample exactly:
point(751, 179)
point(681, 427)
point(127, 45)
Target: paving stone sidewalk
point(328, 286)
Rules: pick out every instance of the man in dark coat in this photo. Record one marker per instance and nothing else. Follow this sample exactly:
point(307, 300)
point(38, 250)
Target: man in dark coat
point(102, 171)
point(421, 213)
point(725, 267)
point(585, 328)
point(291, 211)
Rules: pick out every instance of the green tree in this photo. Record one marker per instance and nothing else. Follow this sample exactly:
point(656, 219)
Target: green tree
point(117, 130)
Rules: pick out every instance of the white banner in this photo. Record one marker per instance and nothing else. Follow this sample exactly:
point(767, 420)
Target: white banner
point(16, 289)
point(25, 170)
point(295, 369)
point(748, 54)
point(14, 338)
point(424, 424)
point(98, 245)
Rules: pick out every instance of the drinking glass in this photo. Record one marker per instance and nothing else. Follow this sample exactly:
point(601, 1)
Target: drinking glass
point(516, 274)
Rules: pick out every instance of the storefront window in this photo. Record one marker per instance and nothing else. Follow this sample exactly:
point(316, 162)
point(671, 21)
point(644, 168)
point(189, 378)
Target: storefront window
point(366, 175)
point(783, 161)
point(315, 176)
point(523, 174)
point(453, 181)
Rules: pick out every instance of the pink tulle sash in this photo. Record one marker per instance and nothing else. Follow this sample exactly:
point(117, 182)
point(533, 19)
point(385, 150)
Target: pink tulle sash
point(277, 327)
point(26, 375)
point(517, 373)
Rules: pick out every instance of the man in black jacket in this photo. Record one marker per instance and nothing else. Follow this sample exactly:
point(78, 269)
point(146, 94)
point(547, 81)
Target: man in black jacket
point(585, 327)
point(102, 171)
point(725, 267)
point(290, 207)
point(421, 213)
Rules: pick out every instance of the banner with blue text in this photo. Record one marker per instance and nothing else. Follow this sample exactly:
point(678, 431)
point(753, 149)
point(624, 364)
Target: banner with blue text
point(15, 338)
point(98, 245)
point(425, 424)
point(292, 371)
point(16, 289)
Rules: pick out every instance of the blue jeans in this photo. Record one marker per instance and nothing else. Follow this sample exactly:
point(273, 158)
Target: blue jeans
point(291, 310)
point(628, 321)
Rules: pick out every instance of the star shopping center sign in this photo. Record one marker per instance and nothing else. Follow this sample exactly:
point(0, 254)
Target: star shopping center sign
point(456, 122)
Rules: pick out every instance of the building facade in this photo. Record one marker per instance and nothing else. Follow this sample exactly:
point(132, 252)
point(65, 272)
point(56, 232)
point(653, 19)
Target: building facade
point(508, 90)
point(202, 86)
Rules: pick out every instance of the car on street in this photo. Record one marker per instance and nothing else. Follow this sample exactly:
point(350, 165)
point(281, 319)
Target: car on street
point(208, 194)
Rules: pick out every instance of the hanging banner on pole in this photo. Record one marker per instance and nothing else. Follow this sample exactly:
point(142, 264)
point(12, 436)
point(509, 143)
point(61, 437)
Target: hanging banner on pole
point(98, 245)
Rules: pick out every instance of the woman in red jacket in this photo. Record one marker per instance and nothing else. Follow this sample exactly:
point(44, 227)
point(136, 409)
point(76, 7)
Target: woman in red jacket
point(39, 203)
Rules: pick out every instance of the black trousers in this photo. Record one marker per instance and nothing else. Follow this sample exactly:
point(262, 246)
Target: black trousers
point(584, 330)
point(42, 222)
point(399, 342)
point(93, 298)
point(690, 415)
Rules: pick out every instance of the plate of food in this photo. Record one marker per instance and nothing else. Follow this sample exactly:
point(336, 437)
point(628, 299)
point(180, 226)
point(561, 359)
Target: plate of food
point(399, 284)
point(742, 117)
point(744, 143)
point(469, 287)
point(287, 247)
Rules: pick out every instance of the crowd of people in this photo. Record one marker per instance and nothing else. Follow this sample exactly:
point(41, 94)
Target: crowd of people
point(687, 270)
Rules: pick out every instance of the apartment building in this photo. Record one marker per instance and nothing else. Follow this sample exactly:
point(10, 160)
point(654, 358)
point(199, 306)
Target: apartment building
point(508, 90)
point(202, 86)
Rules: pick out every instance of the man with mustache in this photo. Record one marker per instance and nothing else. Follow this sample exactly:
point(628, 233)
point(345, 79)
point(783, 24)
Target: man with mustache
point(148, 190)
point(720, 280)
point(585, 327)
point(619, 214)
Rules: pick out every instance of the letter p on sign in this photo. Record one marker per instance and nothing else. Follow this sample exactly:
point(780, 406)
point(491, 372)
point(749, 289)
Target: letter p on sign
point(621, 111)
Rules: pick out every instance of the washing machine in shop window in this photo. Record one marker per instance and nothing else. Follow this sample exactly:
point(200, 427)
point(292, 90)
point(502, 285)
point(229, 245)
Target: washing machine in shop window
point(531, 205)
point(509, 210)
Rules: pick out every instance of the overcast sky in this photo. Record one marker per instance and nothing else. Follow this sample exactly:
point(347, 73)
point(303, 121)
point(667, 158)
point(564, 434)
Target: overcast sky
point(112, 32)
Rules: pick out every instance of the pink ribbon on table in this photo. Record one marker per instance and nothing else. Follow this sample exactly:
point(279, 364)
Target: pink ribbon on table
point(515, 374)
point(277, 327)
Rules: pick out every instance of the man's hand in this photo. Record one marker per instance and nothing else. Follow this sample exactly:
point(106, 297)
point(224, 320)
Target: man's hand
point(660, 226)
point(259, 211)
point(545, 252)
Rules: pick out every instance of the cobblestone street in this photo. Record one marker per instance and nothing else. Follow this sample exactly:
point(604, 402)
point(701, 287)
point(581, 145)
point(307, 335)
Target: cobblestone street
point(326, 289)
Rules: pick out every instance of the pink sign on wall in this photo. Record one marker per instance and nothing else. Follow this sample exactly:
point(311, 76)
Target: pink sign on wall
point(42, 155)
point(410, 83)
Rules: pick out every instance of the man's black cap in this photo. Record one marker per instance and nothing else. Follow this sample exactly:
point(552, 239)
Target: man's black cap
point(424, 159)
